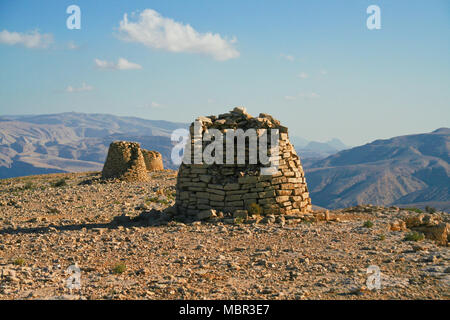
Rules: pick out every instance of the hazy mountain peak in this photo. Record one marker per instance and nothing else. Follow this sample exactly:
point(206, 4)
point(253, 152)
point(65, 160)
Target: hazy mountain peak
point(401, 170)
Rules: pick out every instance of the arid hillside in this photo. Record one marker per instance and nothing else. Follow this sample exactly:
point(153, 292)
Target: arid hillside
point(405, 171)
point(128, 245)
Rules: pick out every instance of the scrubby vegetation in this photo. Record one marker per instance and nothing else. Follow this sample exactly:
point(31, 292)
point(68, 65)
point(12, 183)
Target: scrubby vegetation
point(414, 236)
point(368, 224)
point(414, 209)
point(119, 268)
point(60, 183)
point(254, 209)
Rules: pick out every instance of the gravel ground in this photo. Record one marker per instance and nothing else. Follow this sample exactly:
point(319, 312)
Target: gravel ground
point(51, 222)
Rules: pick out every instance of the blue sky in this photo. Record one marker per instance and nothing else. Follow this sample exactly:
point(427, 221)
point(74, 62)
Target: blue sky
point(312, 64)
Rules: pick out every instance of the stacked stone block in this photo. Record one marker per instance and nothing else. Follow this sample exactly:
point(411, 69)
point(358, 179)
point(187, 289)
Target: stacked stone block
point(125, 162)
point(232, 187)
point(153, 160)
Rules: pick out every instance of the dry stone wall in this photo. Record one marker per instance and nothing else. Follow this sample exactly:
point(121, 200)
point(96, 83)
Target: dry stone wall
point(125, 162)
point(236, 188)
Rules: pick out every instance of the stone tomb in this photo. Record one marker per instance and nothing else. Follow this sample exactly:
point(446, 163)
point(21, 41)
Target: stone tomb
point(125, 162)
point(235, 188)
point(153, 160)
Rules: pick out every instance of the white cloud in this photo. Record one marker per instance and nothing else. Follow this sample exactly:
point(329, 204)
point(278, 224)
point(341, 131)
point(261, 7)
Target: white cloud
point(83, 88)
point(155, 31)
point(287, 57)
point(72, 45)
point(151, 105)
point(32, 39)
point(289, 98)
point(155, 105)
point(102, 64)
point(122, 64)
point(323, 72)
point(310, 95)
point(303, 75)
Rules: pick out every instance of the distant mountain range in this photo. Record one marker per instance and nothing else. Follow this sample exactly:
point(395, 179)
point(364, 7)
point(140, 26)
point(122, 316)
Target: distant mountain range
point(71, 142)
point(410, 170)
point(313, 150)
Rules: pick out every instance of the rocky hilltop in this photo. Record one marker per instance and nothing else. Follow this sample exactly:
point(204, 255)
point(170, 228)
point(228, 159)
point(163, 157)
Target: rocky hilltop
point(127, 246)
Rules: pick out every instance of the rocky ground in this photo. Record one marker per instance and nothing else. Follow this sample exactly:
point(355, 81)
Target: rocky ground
point(125, 250)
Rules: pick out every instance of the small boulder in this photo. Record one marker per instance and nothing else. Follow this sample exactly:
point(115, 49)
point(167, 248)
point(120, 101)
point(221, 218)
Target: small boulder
point(242, 214)
point(206, 214)
point(397, 225)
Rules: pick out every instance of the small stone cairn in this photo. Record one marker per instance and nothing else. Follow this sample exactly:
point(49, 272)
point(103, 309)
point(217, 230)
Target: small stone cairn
point(125, 162)
point(240, 190)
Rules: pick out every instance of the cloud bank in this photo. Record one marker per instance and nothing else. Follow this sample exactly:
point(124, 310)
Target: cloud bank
point(122, 64)
point(72, 46)
point(287, 57)
point(303, 75)
point(83, 88)
point(31, 40)
point(155, 31)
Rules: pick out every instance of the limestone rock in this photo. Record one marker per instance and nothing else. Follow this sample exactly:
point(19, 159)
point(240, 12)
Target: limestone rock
point(431, 226)
point(206, 214)
point(397, 225)
point(439, 233)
